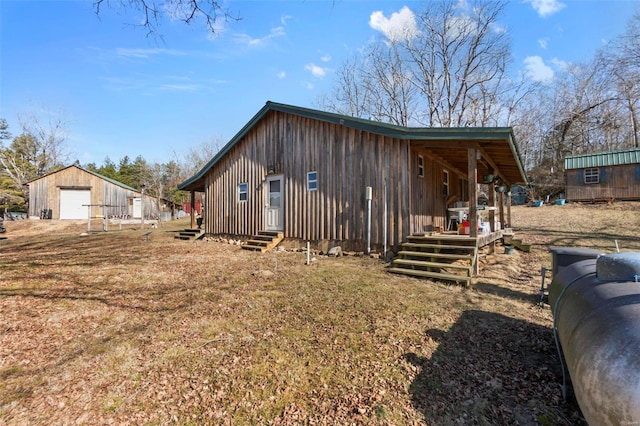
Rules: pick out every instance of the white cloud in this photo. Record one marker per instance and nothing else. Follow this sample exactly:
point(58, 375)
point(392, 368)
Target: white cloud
point(282, 75)
point(147, 83)
point(459, 25)
point(219, 28)
point(543, 42)
point(400, 26)
point(315, 70)
point(180, 87)
point(537, 70)
point(560, 64)
point(499, 29)
point(325, 58)
point(251, 41)
point(545, 8)
point(146, 53)
point(284, 19)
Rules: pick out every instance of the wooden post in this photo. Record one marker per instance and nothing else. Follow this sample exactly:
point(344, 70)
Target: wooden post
point(492, 203)
point(508, 211)
point(193, 210)
point(502, 210)
point(472, 170)
point(473, 191)
point(492, 213)
point(142, 206)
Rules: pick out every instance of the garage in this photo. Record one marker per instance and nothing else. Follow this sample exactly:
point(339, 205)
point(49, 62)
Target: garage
point(74, 203)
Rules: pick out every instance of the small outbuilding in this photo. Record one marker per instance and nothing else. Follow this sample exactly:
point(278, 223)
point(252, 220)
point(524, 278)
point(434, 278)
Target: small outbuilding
point(76, 193)
point(611, 175)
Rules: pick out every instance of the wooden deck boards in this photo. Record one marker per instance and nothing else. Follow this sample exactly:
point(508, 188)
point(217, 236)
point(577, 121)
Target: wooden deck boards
point(432, 255)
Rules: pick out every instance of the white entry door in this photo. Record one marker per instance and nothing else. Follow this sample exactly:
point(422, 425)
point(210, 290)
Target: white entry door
point(137, 208)
point(74, 203)
point(274, 204)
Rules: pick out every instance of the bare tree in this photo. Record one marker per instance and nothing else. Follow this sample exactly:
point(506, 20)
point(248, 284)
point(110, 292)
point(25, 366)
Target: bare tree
point(211, 12)
point(448, 73)
point(387, 84)
point(350, 96)
point(624, 66)
point(38, 150)
point(47, 134)
point(196, 157)
point(460, 60)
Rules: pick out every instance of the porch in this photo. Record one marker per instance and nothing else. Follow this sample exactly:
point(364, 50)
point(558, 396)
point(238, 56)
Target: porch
point(444, 256)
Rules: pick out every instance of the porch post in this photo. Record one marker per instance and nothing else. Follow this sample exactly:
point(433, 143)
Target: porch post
point(472, 170)
point(508, 211)
point(193, 210)
point(492, 203)
point(492, 213)
point(501, 210)
point(472, 161)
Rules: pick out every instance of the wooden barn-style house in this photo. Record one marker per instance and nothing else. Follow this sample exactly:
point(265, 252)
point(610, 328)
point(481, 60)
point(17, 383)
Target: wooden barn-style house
point(304, 175)
point(76, 193)
point(611, 175)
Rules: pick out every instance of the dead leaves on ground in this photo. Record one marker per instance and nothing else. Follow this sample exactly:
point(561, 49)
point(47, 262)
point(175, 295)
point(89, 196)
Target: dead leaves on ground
point(112, 329)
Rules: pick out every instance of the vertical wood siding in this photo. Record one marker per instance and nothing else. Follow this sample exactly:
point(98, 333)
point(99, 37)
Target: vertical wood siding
point(44, 193)
point(621, 182)
point(346, 160)
point(428, 202)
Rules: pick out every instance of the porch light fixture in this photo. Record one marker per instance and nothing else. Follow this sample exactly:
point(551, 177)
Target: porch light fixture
point(274, 168)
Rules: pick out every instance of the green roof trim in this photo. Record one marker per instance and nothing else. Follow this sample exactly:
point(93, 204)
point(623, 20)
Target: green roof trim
point(384, 129)
point(602, 159)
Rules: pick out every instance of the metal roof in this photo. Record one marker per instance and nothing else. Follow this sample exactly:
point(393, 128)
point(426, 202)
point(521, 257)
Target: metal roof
point(602, 159)
point(498, 141)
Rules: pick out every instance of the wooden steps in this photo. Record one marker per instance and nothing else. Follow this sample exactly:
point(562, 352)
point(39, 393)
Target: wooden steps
point(431, 274)
point(189, 234)
point(424, 264)
point(443, 257)
point(263, 241)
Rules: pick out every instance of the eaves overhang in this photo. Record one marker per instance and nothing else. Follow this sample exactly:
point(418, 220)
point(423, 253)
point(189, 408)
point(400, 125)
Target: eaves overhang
point(414, 134)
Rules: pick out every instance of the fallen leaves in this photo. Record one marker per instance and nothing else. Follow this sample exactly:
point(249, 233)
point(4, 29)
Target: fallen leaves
point(111, 329)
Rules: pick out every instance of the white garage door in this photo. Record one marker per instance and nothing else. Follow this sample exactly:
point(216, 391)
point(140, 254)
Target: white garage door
point(74, 203)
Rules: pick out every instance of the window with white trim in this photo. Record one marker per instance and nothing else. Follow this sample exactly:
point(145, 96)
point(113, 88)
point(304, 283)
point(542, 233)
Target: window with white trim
point(312, 181)
point(592, 175)
point(420, 166)
point(243, 192)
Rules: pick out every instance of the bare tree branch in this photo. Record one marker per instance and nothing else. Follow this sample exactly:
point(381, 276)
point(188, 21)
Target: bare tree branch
point(211, 12)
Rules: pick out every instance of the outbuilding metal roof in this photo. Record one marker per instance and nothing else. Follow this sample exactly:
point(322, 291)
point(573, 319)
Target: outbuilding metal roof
point(602, 159)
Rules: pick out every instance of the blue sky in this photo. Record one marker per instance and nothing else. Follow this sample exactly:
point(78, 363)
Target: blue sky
point(125, 94)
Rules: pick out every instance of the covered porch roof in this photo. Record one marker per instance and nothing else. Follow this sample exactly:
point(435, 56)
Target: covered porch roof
point(499, 152)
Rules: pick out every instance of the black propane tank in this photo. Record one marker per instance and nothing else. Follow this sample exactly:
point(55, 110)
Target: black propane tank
point(596, 310)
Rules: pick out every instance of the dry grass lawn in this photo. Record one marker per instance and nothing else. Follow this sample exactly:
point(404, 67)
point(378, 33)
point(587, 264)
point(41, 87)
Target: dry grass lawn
point(111, 329)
